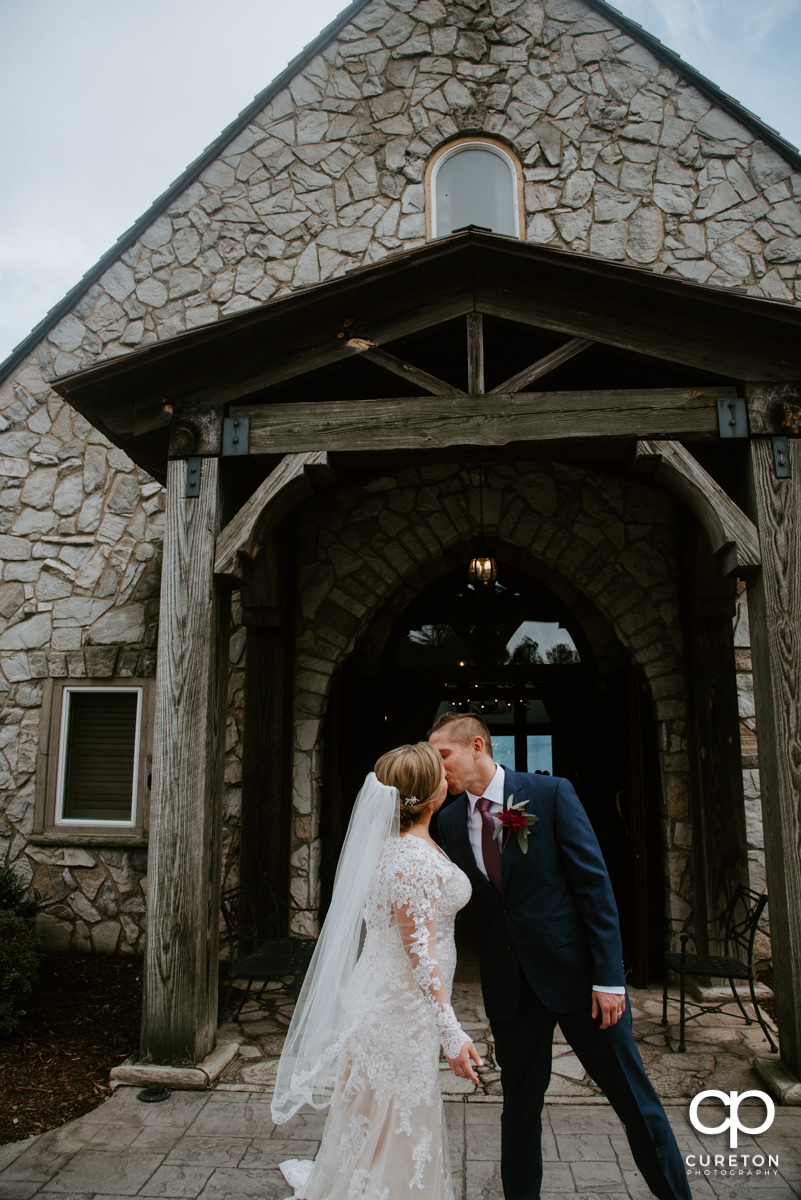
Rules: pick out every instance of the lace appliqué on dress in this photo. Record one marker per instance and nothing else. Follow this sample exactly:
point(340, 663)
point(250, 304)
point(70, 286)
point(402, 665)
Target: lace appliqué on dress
point(384, 1138)
point(416, 891)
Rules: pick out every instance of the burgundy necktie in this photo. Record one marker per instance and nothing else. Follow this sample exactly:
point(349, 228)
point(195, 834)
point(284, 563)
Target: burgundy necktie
point(490, 848)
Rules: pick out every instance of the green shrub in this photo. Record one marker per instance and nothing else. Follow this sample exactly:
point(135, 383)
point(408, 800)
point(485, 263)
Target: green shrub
point(20, 956)
point(13, 894)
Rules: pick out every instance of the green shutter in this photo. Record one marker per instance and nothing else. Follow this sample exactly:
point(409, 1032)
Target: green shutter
point(100, 757)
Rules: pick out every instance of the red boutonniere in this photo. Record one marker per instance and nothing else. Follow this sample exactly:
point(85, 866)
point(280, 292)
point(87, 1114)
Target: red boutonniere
point(514, 821)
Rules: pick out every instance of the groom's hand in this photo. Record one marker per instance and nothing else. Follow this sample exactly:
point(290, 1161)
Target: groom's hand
point(462, 1066)
point(609, 1006)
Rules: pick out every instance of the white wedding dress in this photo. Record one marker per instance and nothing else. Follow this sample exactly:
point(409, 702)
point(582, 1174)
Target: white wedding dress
point(385, 1133)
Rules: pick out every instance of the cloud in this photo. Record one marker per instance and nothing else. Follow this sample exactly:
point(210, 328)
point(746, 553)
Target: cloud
point(750, 55)
point(717, 27)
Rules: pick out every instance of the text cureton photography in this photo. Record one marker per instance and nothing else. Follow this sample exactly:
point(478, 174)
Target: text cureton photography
point(746, 1164)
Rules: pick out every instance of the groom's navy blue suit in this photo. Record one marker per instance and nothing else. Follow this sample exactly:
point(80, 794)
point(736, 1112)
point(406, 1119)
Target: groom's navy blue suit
point(544, 941)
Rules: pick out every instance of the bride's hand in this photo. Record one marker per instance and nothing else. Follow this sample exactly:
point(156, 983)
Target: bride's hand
point(462, 1066)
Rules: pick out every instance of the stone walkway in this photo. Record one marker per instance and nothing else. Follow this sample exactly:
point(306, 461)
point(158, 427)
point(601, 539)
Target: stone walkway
point(719, 1052)
point(222, 1145)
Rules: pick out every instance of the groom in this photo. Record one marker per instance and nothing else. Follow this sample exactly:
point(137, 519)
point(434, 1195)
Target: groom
point(550, 952)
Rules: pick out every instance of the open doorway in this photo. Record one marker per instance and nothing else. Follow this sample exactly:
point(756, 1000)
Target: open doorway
point(512, 652)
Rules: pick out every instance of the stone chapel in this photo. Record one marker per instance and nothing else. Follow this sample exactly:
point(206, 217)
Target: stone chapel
point(493, 281)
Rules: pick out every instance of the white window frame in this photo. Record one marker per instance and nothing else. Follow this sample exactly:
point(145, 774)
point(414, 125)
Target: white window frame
point(66, 694)
point(490, 145)
point(50, 825)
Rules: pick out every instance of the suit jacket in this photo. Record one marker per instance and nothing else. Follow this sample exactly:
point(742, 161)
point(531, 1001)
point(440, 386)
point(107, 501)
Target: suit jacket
point(556, 917)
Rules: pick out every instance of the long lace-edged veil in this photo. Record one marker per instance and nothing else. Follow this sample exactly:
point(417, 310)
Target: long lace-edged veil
point(321, 1018)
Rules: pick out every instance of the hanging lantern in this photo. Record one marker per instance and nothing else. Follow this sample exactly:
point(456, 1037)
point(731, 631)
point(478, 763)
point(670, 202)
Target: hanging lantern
point(483, 569)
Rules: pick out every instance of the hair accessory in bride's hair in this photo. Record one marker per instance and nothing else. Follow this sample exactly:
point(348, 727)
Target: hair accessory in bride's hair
point(410, 801)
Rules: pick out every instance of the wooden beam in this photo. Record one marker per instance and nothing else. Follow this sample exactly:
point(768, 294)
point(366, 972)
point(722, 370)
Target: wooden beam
point(731, 534)
point(414, 423)
point(195, 432)
point(774, 605)
point(302, 351)
point(179, 1016)
point(284, 487)
point(774, 409)
point(543, 366)
point(475, 353)
point(629, 324)
point(390, 362)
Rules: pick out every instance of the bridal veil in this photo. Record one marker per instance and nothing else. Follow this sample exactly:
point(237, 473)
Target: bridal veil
point(322, 1016)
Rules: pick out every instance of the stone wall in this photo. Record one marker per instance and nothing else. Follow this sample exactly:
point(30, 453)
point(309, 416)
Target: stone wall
point(621, 159)
point(80, 558)
point(367, 547)
point(94, 898)
point(80, 534)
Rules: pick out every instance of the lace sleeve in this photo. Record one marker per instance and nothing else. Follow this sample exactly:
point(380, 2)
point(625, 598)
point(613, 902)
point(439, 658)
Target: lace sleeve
point(416, 890)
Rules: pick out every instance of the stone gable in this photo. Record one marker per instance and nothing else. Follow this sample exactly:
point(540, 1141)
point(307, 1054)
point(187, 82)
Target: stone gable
point(622, 159)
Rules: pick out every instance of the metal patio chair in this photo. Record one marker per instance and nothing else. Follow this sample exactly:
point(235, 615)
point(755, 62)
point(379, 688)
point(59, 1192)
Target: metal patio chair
point(258, 952)
point(740, 920)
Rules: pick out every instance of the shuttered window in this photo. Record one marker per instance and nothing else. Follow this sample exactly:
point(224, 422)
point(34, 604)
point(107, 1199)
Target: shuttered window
point(99, 754)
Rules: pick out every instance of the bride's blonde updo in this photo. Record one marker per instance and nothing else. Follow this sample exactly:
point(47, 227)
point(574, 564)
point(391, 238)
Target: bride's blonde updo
point(417, 772)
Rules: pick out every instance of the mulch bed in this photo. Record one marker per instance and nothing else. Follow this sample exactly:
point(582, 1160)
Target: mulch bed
point(82, 1020)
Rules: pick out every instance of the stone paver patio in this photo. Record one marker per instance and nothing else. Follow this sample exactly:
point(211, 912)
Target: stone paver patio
point(719, 1054)
point(222, 1145)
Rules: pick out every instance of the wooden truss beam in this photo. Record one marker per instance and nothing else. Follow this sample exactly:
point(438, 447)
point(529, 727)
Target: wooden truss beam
point(292, 480)
point(543, 366)
point(257, 370)
point(731, 534)
point(414, 423)
point(475, 353)
point(390, 362)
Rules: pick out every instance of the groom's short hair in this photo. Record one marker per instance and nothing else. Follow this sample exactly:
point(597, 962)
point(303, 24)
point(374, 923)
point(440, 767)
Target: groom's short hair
point(464, 727)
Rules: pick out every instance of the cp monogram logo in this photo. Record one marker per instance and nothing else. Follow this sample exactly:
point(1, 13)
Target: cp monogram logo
point(732, 1100)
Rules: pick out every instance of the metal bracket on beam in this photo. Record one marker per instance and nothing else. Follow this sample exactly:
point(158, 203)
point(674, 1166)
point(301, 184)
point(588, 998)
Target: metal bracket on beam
point(236, 436)
point(733, 418)
point(781, 458)
point(193, 466)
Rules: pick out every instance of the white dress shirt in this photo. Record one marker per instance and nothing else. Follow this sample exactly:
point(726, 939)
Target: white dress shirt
point(494, 793)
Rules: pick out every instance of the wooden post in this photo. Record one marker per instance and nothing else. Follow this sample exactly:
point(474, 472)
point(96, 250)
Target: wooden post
point(719, 842)
point(475, 353)
point(179, 1017)
point(267, 611)
point(774, 602)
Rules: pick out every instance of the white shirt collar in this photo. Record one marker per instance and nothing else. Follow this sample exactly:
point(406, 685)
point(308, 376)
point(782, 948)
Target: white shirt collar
point(493, 790)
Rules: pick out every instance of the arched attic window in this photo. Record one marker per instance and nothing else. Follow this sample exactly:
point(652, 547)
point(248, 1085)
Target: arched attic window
point(475, 181)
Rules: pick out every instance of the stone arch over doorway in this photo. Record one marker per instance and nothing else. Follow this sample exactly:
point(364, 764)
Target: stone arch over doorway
point(368, 546)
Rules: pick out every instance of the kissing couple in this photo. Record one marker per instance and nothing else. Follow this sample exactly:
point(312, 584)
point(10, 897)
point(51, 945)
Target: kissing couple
point(374, 1009)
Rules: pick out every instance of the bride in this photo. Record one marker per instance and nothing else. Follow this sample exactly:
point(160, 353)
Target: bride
point(375, 1005)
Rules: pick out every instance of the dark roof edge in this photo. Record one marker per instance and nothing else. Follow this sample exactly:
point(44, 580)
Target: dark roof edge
point(231, 131)
point(208, 156)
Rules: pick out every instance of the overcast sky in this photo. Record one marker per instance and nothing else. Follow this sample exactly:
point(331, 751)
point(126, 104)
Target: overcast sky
point(103, 103)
